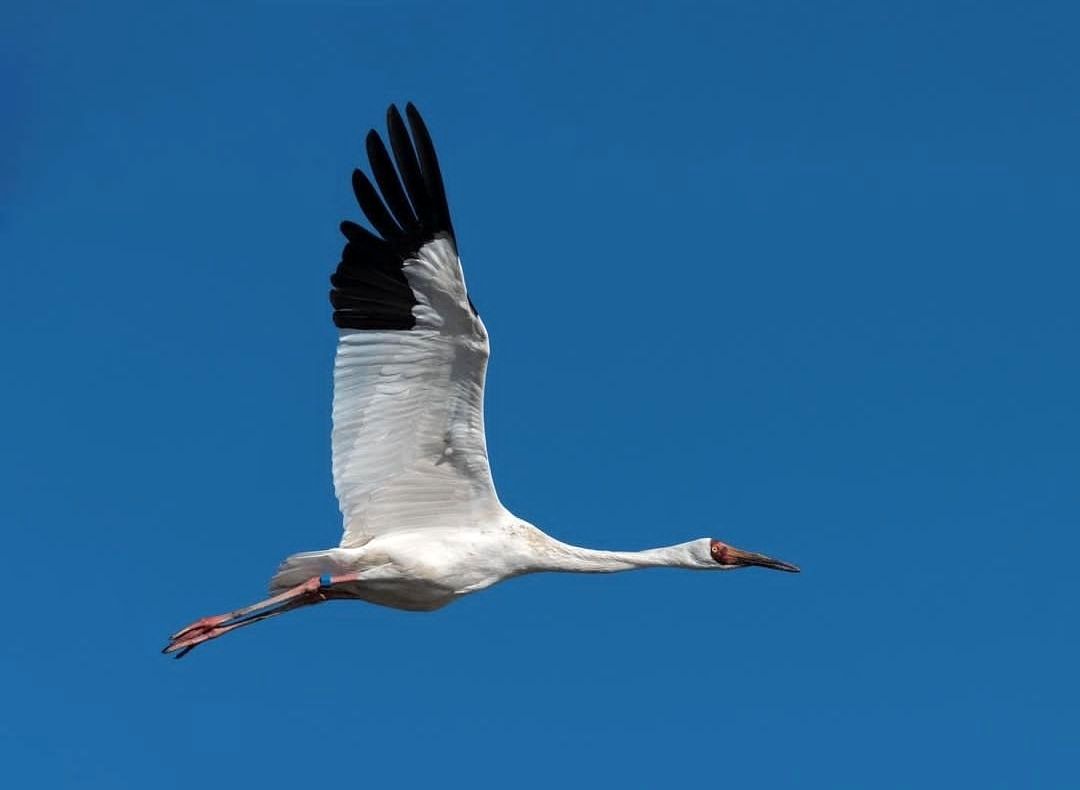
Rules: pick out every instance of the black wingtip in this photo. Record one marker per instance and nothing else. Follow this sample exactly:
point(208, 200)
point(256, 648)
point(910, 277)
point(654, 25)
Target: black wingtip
point(429, 167)
point(414, 116)
point(404, 201)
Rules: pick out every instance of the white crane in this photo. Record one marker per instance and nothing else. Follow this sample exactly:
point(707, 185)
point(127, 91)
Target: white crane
point(423, 524)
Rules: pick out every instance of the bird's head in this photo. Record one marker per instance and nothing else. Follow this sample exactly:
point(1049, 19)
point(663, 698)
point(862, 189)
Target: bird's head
point(725, 557)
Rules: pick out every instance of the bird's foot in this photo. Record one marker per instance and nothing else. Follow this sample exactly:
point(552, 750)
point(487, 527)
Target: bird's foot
point(203, 630)
point(314, 590)
point(202, 624)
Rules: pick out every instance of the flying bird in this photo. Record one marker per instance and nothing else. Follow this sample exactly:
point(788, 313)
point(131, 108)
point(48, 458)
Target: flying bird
point(423, 525)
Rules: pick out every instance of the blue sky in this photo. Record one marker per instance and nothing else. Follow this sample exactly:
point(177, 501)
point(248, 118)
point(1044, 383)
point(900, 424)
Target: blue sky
point(798, 276)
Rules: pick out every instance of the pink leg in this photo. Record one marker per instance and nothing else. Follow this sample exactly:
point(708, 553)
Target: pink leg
point(315, 590)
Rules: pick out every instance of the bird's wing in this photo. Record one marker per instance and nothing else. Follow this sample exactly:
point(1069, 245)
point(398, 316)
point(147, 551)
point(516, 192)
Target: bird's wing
point(408, 441)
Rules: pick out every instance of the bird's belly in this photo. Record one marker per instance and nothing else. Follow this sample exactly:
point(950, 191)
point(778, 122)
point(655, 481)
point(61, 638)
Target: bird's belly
point(421, 572)
point(410, 598)
point(410, 595)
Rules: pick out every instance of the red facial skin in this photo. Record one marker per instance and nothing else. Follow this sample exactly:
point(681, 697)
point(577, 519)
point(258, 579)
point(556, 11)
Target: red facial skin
point(720, 552)
point(731, 557)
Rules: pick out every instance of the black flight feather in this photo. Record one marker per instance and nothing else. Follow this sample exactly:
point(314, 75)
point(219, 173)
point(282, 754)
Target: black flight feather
point(369, 290)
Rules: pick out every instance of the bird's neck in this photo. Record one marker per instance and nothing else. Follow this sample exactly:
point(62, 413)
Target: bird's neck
point(575, 559)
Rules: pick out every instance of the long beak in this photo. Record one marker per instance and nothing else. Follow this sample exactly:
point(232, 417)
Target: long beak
point(739, 558)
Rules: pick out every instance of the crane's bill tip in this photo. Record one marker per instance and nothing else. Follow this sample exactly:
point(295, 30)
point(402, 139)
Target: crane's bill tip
point(761, 561)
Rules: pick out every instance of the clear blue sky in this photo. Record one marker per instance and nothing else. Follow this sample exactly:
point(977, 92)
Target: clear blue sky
point(800, 276)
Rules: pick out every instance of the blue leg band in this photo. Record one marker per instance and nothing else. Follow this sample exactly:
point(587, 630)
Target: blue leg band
point(324, 580)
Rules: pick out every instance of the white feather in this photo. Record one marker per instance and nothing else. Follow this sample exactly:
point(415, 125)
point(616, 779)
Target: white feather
point(408, 442)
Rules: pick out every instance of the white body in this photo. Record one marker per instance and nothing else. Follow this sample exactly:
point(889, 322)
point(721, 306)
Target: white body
point(426, 569)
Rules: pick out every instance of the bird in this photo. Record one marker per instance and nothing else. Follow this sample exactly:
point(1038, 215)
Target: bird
point(422, 523)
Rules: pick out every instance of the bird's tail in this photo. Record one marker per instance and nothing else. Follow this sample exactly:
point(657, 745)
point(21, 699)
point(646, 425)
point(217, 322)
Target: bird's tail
point(298, 568)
